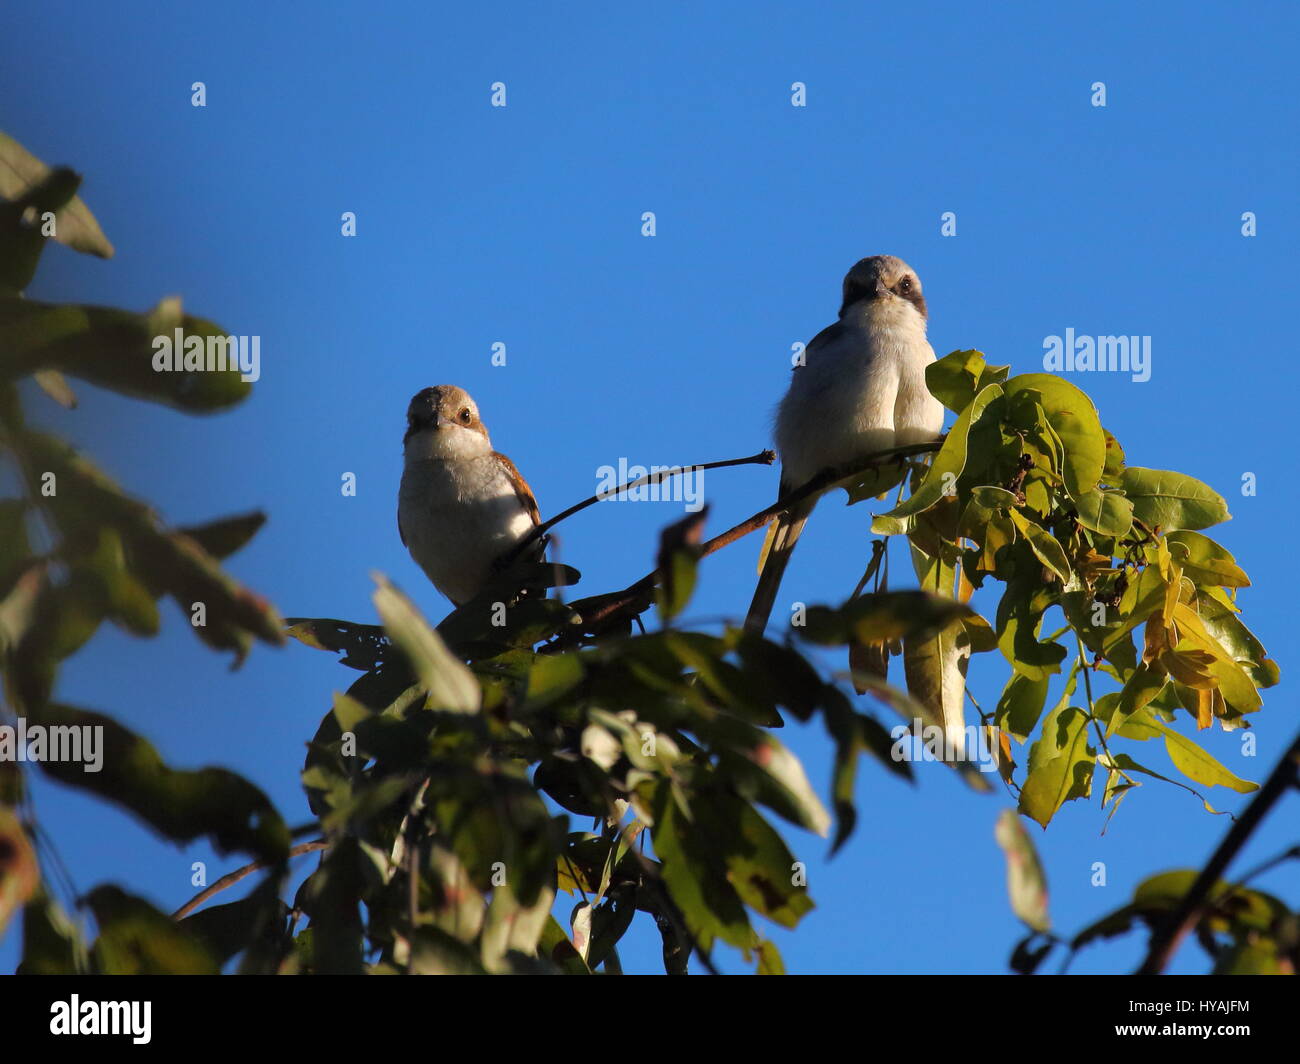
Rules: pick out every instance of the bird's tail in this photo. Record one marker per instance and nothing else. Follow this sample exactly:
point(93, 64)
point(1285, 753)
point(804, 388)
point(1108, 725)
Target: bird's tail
point(782, 535)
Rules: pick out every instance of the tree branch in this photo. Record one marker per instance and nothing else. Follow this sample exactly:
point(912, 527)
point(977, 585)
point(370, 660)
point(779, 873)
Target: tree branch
point(640, 594)
point(1167, 937)
point(761, 458)
point(238, 874)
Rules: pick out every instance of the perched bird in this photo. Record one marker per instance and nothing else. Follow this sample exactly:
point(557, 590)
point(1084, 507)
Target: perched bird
point(861, 388)
point(461, 505)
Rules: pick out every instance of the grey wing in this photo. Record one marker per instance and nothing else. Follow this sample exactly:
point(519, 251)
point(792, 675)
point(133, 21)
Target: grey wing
point(827, 336)
point(814, 384)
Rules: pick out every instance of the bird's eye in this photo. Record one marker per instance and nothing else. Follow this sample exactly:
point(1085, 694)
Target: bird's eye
point(464, 416)
point(905, 285)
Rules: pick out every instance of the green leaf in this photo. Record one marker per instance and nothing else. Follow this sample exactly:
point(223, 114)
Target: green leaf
point(881, 617)
point(958, 377)
point(1260, 957)
point(436, 951)
point(730, 686)
point(1189, 758)
point(994, 498)
point(782, 783)
point(475, 629)
point(1106, 512)
point(695, 874)
point(759, 865)
point(1242, 646)
point(224, 537)
point(363, 646)
point(1143, 597)
point(1140, 688)
point(769, 959)
point(1114, 459)
point(1060, 765)
point(116, 349)
point(181, 805)
point(1021, 704)
point(75, 226)
point(1044, 545)
point(52, 944)
point(679, 554)
point(733, 852)
point(1073, 419)
point(1019, 617)
point(513, 926)
point(1243, 913)
point(944, 470)
point(163, 560)
point(852, 732)
point(1171, 500)
point(23, 224)
point(231, 928)
point(137, 939)
point(935, 666)
point(551, 677)
point(1026, 883)
point(451, 686)
point(331, 897)
point(781, 671)
point(490, 816)
point(15, 547)
point(875, 482)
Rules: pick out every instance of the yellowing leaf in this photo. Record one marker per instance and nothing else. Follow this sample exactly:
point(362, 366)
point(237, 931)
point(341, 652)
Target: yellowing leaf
point(1192, 761)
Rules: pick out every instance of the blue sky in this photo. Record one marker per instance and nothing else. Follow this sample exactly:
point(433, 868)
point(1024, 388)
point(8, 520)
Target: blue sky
point(522, 225)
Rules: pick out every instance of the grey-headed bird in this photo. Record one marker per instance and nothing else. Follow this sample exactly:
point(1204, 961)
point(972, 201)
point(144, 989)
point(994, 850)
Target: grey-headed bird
point(861, 389)
point(461, 506)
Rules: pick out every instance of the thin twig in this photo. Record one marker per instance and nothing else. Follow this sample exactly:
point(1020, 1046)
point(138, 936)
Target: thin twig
point(1170, 933)
point(761, 458)
point(238, 874)
point(630, 595)
point(1290, 854)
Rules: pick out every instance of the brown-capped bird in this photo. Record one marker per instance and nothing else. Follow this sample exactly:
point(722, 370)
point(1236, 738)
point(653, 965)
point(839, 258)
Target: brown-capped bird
point(461, 506)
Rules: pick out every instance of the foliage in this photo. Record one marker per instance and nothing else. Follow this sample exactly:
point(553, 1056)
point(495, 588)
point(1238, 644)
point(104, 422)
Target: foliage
point(664, 735)
point(1030, 490)
point(525, 746)
point(77, 551)
point(1242, 930)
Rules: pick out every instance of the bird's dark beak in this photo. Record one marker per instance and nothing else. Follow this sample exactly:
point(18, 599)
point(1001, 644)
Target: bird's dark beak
point(881, 289)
